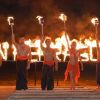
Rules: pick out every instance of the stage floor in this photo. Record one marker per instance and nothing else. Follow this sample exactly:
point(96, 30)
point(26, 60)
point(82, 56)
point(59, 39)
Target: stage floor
point(7, 88)
point(8, 80)
point(35, 93)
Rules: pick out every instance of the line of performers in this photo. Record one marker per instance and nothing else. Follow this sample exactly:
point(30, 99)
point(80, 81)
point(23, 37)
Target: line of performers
point(23, 60)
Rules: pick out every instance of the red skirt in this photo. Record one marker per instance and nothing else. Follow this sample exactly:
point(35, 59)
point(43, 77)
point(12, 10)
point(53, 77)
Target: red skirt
point(74, 69)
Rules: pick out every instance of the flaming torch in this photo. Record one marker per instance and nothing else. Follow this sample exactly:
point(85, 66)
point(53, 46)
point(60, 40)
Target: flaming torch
point(40, 19)
point(11, 23)
point(95, 22)
point(63, 17)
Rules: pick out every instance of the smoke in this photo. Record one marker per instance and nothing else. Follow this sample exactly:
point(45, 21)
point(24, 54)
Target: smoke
point(78, 12)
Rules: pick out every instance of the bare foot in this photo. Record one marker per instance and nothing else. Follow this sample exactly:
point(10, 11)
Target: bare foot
point(72, 88)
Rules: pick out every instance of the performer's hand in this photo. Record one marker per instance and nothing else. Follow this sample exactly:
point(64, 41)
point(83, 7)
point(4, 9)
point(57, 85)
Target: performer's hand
point(28, 65)
point(13, 38)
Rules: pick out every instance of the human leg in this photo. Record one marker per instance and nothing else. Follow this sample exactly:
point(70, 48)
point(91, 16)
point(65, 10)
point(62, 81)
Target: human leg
point(50, 79)
point(44, 78)
point(21, 80)
point(72, 80)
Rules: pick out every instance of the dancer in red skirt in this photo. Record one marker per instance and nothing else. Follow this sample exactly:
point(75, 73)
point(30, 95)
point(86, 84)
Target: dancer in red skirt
point(73, 66)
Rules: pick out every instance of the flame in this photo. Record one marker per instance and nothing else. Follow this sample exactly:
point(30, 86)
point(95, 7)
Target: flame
point(63, 17)
point(9, 20)
point(60, 44)
point(14, 52)
point(95, 21)
point(5, 47)
point(39, 19)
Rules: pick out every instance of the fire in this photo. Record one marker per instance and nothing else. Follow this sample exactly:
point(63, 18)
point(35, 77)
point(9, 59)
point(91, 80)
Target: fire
point(95, 21)
point(14, 52)
point(86, 48)
point(5, 46)
point(9, 20)
point(63, 17)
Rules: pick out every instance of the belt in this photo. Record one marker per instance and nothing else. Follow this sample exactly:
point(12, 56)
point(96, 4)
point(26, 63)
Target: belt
point(21, 57)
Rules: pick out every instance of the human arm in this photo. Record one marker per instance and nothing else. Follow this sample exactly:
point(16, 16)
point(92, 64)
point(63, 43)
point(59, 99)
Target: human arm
point(13, 41)
point(29, 59)
point(42, 40)
point(56, 61)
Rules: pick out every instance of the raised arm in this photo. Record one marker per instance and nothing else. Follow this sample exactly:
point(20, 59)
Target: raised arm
point(67, 41)
point(13, 40)
point(42, 40)
point(56, 61)
point(29, 59)
point(30, 56)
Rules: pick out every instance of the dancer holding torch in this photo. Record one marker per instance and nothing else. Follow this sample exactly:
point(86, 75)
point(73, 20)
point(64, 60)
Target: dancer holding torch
point(95, 22)
point(73, 64)
point(23, 59)
point(47, 81)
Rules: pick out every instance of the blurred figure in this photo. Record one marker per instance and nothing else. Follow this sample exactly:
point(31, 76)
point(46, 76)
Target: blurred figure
point(73, 66)
point(98, 66)
point(48, 65)
point(0, 60)
point(23, 59)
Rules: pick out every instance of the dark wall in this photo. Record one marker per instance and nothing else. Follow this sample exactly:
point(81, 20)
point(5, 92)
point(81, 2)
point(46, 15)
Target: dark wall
point(8, 71)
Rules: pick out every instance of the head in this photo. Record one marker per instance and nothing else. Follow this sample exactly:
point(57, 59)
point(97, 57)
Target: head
point(21, 40)
point(73, 45)
point(48, 42)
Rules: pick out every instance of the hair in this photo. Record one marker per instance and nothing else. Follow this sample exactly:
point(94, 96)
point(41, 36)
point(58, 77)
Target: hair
point(47, 38)
point(74, 41)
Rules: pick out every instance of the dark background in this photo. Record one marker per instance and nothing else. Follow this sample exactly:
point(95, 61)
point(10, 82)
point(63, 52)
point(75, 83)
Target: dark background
point(8, 73)
point(79, 13)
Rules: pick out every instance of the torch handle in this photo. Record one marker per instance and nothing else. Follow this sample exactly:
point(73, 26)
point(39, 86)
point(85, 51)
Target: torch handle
point(67, 40)
point(66, 33)
point(12, 34)
point(42, 35)
point(12, 29)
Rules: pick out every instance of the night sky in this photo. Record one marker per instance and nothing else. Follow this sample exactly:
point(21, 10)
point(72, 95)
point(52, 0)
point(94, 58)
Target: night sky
point(79, 13)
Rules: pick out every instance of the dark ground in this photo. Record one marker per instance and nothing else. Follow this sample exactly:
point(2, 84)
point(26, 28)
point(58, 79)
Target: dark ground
point(8, 77)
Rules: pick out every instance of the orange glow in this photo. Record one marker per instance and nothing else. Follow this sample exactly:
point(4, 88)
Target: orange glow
point(60, 44)
point(5, 46)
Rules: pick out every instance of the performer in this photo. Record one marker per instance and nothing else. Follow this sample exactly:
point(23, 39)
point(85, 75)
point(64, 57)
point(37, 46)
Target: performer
point(98, 64)
point(73, 66)
point(0, 60)
point(48, 65)
point(23, 59)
